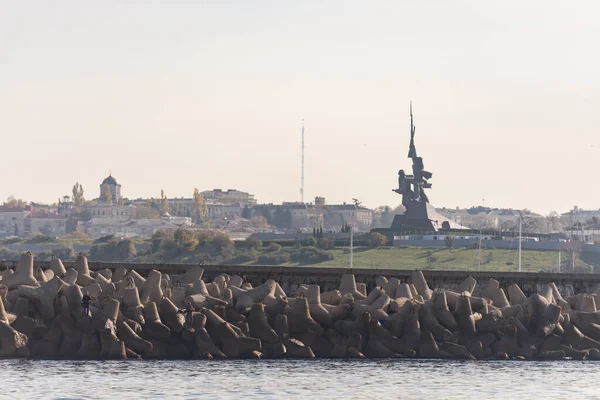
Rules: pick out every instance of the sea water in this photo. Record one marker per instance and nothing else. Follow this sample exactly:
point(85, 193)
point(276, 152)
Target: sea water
point(299, 379)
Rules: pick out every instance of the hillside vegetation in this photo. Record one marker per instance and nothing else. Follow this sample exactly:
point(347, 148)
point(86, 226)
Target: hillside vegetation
point(370, 251)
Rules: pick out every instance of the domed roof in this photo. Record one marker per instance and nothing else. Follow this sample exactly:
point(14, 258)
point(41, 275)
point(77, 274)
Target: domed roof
point(110, 181)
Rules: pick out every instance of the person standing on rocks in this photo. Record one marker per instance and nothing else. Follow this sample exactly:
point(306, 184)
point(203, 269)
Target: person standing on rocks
point(85, 302)
point(188, 311)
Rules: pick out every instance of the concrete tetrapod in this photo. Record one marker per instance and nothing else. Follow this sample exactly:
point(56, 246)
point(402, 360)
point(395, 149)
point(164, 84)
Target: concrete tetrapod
point(23, 274)
point(442, 312)
point(256, 295)
point(84, 278)
point(317, 311)
point(259, 325)
point(234, 320)
point(5, 316)
point(348, 286)
point(153, 326)
point(131, 339)
point(421, 285)
point(151, 291)
point(170, 315)
point(12, 342)
point(44, 295)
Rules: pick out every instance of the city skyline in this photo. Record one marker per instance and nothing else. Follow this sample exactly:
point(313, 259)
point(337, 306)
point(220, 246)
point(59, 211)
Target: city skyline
point(208, 95)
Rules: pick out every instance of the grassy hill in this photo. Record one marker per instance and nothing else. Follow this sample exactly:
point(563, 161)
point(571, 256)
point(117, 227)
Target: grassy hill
point(452, 259)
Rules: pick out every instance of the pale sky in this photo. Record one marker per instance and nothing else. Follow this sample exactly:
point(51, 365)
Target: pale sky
point(506, 98)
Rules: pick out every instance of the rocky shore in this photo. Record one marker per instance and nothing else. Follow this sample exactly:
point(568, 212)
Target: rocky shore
point(41, 316)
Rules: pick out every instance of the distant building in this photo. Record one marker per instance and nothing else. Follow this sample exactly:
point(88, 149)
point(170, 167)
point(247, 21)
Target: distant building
point(135, 228)
point(230, 196)
point(474, 218)
point(220, 210)
point(98, 209)
point(579, 216)
point(109, 211)
point(355, 215)
point(115, 188)
point(12, 220)
point(179, 221)
point(45, 223)
point(307, 216)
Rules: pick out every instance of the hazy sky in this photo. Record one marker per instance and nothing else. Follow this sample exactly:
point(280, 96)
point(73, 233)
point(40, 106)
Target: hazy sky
point(169, 96)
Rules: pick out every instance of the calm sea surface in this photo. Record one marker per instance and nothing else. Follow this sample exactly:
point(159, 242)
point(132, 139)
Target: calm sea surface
point(279, 379)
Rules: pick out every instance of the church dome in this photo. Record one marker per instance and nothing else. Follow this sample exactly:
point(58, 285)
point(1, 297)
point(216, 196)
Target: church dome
point(110, 181)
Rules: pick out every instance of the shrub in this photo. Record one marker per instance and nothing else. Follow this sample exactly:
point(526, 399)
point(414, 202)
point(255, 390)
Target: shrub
point(160, 237)
point(449, 240)
point(274, 258)
point(64, 253)
point(41, 239)
point(325, 244)
point(220, 240)
point(115, 250)
point(311, 255)
point(6, 254)
point(185, 240)
point(250, 243)
point(311, 241)
point(76, 235)
point(377, 240)
point(43, 256)
point(105, 239)
point(243, 257)
point(273, 247)
point(204, 237)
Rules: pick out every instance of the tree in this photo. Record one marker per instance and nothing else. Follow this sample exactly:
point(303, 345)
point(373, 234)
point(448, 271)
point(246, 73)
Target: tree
point(78, 199)
point(11, 201)
point(221, 240)
point(533, 224)
point(144, 212)
point(377, 240)
point(159, 238)
point(282, 218)
point(246, 213)
point(554, 222)
point(113, 250)
point(268, 216)
point(185, 240)
point(384, 215)
point(200, 207)
point(164, 207)
point(106, 196)
point(259, 222)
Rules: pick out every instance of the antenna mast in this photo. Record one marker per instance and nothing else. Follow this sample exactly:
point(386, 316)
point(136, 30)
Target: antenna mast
point(302, 167)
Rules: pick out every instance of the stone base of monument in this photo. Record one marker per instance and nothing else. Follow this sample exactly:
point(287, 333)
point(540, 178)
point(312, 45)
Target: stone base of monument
point(422, 216)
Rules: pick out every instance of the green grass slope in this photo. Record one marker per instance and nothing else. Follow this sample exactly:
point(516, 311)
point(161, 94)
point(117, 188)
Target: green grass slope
point(450, 259)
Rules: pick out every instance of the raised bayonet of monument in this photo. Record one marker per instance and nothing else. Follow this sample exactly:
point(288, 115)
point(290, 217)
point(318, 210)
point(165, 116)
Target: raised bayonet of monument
point(411, 186)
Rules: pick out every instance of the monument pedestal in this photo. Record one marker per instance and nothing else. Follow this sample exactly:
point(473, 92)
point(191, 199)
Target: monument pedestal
point(422, 216)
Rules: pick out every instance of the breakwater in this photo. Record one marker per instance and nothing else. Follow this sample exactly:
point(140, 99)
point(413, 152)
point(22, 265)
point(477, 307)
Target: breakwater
point(328, 278)
point(186, 316)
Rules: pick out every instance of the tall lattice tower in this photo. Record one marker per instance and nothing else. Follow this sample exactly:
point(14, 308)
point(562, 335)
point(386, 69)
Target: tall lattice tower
point(302, 167)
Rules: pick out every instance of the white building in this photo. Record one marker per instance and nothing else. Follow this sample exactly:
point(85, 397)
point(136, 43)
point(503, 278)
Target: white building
point(229, 196)
point(12, 220)
point(135, 228)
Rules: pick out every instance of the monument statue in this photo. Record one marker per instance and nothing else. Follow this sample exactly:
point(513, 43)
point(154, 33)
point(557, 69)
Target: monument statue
point(411, 186)
point(419, 215)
